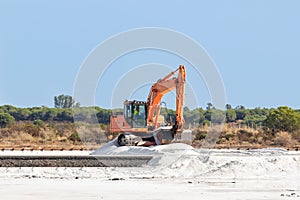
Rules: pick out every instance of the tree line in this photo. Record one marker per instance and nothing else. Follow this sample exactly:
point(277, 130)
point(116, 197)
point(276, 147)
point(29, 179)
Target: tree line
point(10, 114)
point(282, 118)
point(275, 119)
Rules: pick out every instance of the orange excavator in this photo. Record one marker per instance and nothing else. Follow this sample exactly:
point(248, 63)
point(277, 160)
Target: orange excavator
point(141, 123)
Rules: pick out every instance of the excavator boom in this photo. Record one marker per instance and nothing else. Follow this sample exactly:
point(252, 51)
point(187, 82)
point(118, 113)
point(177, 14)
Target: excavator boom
point(159, 89)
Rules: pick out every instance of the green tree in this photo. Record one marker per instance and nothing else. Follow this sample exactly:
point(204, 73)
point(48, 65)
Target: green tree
point(186, 109)
point(64, 101)
point(230, 115)
point(8, 108)
point(256, 117)
point(218, 116)
point(215, 116)
point(283, 119)
point(6, 119)
point(194, 117)
point(38, 113)
point(65, 115)
point(51, 114)
point(241, 112)
point(209, 106)
point(255, 120)
point(103, 115)
point(228, 106)
point(21, 114)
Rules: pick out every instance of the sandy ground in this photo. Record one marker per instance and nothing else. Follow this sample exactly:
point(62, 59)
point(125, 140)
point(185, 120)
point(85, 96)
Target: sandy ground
point(176, 172)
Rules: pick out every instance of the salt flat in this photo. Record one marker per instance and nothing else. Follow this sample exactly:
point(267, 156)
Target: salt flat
point(76, 189)
point(176, 172)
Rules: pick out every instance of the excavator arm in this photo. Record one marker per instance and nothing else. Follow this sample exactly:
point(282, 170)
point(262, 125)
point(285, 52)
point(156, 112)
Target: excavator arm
point(159, 89)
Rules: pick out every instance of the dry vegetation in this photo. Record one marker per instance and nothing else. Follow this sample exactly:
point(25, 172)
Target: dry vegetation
point(58, 136)
point(54, 128)
point(26, 135)
point(246, 137)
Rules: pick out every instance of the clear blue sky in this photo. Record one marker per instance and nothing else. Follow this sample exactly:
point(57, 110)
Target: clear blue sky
point(254, 43)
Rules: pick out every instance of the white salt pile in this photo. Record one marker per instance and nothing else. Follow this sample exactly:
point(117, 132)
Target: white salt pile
point(181, 160)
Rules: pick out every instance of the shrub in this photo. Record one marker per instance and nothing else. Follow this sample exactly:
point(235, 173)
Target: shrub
point(6, 119)
point(32, 130)
point(283, 139)
point(39, 123)
point(200, 135)
point(296, 136)
point(74, 137)
point(244, 135)
point(228, 136)
point(206, 123)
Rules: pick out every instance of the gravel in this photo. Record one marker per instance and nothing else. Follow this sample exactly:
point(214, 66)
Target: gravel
point(74, 161)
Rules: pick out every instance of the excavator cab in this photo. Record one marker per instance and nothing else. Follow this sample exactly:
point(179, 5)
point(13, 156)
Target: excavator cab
point(135, 113)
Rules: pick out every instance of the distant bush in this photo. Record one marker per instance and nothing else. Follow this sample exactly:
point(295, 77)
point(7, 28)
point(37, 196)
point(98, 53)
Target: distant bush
point(39, 123)
point(74, 137)
point(6, 119)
